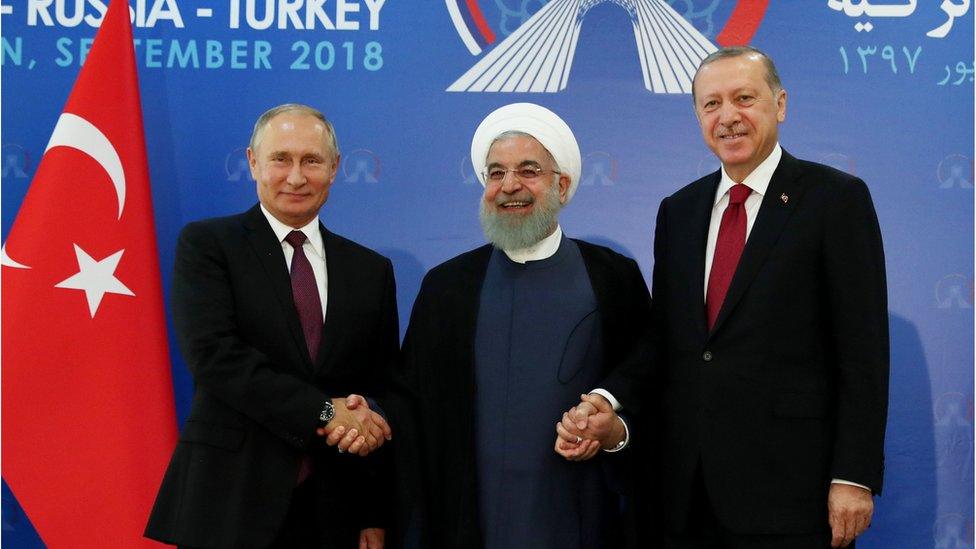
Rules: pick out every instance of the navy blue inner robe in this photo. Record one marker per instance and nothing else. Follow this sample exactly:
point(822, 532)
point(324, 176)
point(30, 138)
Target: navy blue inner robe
point(538, 347)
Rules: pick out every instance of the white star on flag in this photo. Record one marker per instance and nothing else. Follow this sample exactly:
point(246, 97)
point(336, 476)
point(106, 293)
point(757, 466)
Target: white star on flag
point(96, 278)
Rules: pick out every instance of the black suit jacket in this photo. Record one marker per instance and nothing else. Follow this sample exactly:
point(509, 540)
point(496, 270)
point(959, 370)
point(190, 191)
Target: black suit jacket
point(258, 394)
point(789, 389)
point(439, 361)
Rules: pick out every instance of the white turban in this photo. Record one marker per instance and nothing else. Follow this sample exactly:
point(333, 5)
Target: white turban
point(540, 123)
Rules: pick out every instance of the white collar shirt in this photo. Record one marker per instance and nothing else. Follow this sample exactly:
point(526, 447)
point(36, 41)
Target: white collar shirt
point(314, 249)
point(542, 249)
point(758, 181)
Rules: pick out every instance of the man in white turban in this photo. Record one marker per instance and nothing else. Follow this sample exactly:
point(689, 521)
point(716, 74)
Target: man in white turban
point(505, 337)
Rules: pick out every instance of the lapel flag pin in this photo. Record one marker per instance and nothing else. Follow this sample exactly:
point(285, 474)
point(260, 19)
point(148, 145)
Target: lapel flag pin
point(784, 198)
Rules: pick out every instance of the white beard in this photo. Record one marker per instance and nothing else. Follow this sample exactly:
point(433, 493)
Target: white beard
point(510, 232)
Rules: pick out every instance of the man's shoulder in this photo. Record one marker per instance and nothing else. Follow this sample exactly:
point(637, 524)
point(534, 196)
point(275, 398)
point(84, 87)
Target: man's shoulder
point(691, 191)
point(463, 262)
point(597, 253)
point(815, 172)
point(351, 249)
point(218, 226)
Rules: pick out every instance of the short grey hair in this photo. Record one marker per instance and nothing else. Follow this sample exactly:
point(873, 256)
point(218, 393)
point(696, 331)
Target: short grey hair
point(265, 118)
point(772, 76)
point(511, 134)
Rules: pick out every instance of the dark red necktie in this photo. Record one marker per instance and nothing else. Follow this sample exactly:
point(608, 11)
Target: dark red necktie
point(728, 249)
point(306, 294)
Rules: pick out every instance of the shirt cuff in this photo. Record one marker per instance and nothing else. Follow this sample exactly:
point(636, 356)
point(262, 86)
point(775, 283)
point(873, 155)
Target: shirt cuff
point(613, 401)
point(623, 443)
point(849, 483)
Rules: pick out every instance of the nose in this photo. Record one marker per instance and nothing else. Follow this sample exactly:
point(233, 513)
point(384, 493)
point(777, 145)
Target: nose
point(729, 113)
point(510, 183)
point(295, 175)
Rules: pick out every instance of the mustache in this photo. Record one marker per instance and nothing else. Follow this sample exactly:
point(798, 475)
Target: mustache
point(731, 130)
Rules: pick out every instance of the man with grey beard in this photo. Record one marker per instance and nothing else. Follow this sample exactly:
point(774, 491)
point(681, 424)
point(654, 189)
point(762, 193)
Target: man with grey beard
point(505, 337)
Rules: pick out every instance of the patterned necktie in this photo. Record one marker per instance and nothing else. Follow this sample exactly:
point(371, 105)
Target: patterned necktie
point(306, 294)
point(728, 249)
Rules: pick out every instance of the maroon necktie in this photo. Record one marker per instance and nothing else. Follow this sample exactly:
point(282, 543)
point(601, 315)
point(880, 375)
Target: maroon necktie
point(728, 248)
point(306, 294)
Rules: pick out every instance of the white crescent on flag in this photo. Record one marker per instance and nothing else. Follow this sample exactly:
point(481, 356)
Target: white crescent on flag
point(76, 132)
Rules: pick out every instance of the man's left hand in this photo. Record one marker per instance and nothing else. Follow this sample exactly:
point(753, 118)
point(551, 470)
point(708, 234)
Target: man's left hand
point(849, 510)
point(372, 538)
point(587, 427)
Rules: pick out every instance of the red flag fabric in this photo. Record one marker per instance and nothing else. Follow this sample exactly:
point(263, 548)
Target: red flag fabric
point(88, 411)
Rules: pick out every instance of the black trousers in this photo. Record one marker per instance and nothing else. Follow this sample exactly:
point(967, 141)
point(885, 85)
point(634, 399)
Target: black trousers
point(706, 532)
point(308, 523)
point(308, 526)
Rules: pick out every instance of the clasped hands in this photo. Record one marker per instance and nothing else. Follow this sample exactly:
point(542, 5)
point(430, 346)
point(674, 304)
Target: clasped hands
point(587, 427)
point(355, 428)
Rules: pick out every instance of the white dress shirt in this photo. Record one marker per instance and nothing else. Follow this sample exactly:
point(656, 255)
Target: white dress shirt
point(313, 247)
point(758, 181)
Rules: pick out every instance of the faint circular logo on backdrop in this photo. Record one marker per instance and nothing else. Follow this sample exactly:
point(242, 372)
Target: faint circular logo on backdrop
point(954, 291)
point(599, 168)
point(15, 161)
point(236, 166)
point(840, 161)
point(953, 531)
point(955, 172)
point(361, 166)
point(708, 164)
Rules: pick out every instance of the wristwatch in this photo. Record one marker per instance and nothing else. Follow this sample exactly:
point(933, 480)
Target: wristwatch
point(327, 413)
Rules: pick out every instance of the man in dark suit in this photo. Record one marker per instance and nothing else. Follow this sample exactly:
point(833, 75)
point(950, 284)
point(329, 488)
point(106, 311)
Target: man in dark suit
point(278, 319)
point(771, 334)
point(505, 337)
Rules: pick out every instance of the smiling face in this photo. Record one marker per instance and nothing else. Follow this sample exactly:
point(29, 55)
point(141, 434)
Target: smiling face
point(518, 211)
point(738, 112)
point(294, 165)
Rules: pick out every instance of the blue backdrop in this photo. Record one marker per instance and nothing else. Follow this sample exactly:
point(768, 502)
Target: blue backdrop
point(883, 91)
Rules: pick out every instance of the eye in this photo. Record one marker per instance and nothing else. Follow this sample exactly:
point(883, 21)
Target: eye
point(710, 105)
point(313, 161)
point(528, 173)
point(496, 174)
point(746, 100)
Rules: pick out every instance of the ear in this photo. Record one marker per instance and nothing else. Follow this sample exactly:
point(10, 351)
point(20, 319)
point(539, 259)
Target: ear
point(563, 188)
point(252, 163)
point(781, 106)
point(335, 167)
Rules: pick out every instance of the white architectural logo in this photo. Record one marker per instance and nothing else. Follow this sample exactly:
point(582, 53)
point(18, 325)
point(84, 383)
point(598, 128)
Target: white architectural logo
point(538, 56)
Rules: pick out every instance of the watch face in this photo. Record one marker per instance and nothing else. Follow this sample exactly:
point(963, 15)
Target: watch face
point(327, 413)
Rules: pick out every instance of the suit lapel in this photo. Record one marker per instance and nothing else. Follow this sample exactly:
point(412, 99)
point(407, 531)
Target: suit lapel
point(769, 224)
point(339, 289)
point(693, 251)
point(268, 250)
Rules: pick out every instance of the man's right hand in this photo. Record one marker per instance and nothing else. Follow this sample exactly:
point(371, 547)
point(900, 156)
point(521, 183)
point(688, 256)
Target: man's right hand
point(355, 428)
point(590, 425)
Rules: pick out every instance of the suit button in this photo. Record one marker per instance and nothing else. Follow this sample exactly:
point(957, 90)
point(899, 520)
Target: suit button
point(707, 356)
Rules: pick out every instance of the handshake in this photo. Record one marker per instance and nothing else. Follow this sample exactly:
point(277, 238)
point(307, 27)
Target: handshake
point(355, 428)
point(587, 427)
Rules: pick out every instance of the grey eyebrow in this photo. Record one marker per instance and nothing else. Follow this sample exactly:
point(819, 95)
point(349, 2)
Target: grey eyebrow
point(521, 164)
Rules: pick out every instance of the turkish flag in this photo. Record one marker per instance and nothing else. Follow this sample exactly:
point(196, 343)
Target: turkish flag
point(88, 411)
